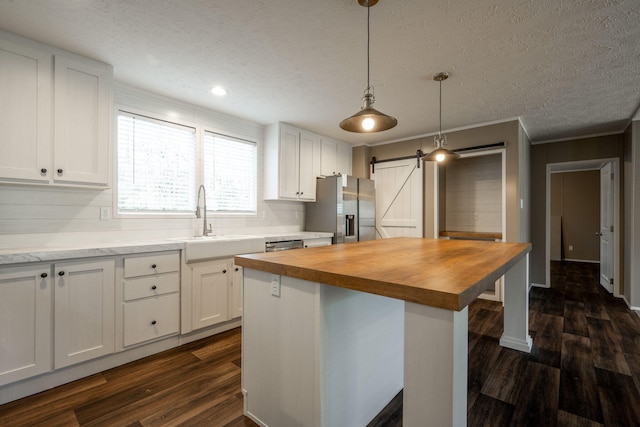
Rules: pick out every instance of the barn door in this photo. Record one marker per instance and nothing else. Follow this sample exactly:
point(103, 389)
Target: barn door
point(606, 227)
point(399, 198)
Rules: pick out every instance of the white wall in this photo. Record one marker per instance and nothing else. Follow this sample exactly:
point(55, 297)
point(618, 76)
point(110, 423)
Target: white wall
point(36, 216)
point(631, 232)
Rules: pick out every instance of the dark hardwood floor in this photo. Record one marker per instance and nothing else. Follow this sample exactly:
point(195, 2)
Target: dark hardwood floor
point(584, 370)
point(197, 384)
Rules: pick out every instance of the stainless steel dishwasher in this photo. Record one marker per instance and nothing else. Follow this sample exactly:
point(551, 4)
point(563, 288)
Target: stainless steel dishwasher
point(283, 245)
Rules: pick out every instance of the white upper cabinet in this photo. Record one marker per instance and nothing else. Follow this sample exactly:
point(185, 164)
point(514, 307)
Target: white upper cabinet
point(83, 99)
point(55, 119)
point(291, 163)
point(328, 159)
point(308, 166)
point(25, 112)
point(335, 157)
point(343, 163)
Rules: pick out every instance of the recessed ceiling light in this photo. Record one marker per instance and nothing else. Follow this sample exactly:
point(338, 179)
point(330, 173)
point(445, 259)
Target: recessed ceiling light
point(219, 90)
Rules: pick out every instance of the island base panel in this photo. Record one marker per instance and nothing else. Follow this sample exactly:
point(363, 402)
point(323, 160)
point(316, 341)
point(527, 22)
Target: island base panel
point(318, 355)
point(516, 308)
point(435, 366)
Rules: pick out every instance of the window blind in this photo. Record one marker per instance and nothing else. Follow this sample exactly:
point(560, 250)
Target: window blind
point(156, 165)
point(230, 176)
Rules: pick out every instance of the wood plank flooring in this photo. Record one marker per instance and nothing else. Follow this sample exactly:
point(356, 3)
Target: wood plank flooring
point(584, 370)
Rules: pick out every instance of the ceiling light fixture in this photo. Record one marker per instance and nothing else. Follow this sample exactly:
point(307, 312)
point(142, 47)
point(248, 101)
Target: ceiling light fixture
point(368, 119)
point(440, 153)
point(219, 91)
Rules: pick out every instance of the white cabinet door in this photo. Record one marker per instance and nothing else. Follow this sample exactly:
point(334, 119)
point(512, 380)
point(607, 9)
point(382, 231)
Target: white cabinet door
point(25, 319)
point(289, 168)
point(84, 311)
point(235, 308)
point(25, 113)
point(291, 163)
point(210, 293)
point(83, 102)
point(328, 161)
point(343, 159)
point(335, 158)
point(307, 174)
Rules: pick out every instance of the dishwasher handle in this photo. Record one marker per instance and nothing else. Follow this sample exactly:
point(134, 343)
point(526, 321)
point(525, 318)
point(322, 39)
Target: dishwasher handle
point(283, 245)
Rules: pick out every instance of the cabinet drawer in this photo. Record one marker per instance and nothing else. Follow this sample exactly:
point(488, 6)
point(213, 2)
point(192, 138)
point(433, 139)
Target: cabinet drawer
point(151, 264)
point(151, 318)
point(151, 286)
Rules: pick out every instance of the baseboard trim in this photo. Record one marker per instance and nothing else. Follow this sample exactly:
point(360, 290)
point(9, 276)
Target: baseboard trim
point(580, 260)
point(539, 285)
point(517, 344)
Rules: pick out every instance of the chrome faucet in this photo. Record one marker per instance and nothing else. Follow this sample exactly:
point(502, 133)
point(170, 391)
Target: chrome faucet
point(206, 228)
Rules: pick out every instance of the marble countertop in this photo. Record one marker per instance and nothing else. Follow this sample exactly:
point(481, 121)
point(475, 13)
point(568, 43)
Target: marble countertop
point(72, 251)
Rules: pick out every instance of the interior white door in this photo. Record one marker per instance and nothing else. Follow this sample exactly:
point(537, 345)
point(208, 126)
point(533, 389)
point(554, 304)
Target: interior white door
point(606, 227)
point(399, 198)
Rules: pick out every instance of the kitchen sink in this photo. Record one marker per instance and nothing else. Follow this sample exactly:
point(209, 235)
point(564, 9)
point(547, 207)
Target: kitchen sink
point(220, 246)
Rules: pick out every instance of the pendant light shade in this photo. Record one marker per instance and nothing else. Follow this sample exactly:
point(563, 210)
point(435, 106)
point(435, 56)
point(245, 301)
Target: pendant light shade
point(440, 154)
point(368, 119)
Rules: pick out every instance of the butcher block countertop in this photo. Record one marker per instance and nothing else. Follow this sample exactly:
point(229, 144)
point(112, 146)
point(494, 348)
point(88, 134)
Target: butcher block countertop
point(447, 274)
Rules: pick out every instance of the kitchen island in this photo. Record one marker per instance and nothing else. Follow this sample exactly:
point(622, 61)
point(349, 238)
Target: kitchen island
point(331, 334)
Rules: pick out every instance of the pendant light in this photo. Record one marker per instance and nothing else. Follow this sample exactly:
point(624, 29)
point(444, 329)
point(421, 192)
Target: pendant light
point(368, 119)
point(440, 153)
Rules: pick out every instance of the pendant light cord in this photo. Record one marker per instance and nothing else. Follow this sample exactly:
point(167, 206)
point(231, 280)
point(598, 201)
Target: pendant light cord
point(440, 128)
point(368, 42)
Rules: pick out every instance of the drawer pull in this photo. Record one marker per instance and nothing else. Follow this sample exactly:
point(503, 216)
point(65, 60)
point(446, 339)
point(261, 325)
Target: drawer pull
point(154, 287)
point(61, 273)
point(60, 171)
point(237, 269)
point(224, 271)
point(43, 171)
point(153, 322)
point(43, 275)
point(153, 266)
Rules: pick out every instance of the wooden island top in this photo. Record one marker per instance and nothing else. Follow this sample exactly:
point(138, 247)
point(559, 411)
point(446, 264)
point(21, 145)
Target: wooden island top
point(447, 274)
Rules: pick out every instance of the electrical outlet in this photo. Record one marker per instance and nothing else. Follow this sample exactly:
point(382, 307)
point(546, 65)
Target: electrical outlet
point(105, 213)
point(570, 247)
point(275, 285)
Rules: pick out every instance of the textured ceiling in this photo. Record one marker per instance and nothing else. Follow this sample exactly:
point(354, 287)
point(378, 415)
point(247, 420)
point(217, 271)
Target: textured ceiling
point(565, 67)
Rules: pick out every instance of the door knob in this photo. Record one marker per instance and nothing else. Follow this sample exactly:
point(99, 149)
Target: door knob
point(598, 233)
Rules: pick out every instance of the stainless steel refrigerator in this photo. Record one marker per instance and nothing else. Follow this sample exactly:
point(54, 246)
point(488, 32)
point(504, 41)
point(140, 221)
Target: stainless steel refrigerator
point(346, 206)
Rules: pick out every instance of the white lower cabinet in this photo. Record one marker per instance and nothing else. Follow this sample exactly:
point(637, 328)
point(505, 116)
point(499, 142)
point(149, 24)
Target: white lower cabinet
point(84, 320)
point(25, 322)
point(235, 299)
point(151, 297)
point(215, 289)
point(210, 293)
point(151, 318)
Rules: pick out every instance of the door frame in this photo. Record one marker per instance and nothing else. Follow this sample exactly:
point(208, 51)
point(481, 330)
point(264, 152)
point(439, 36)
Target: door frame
point(436, 189)
point(577, 166)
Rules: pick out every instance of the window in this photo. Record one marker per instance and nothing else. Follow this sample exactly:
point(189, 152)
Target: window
point(156, 165)
point(229, 174)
